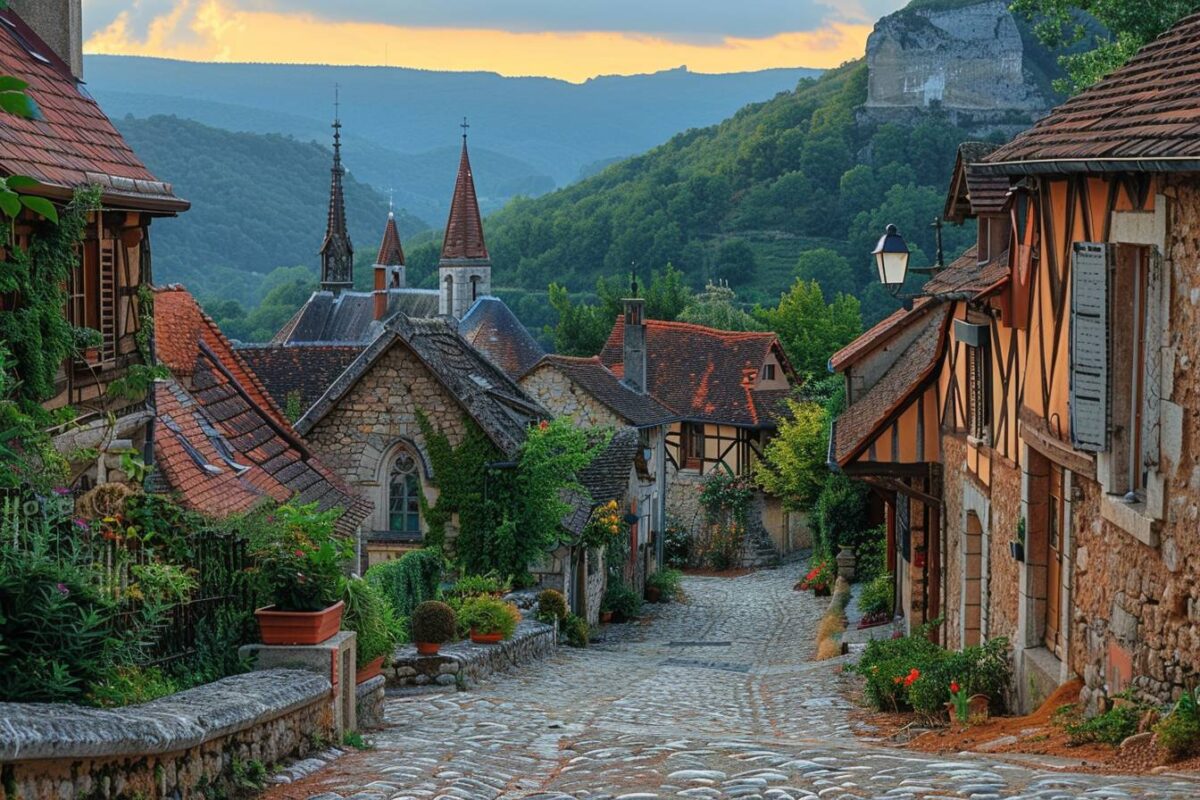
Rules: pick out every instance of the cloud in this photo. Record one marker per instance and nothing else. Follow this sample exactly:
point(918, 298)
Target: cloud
point(224, 30)
point(694, 21)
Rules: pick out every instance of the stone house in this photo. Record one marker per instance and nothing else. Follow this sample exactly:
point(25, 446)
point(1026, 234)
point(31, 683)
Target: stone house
point(73, 146)
point(726, 392)
point(222, 446)
point(591, 395)
point(1032, 423)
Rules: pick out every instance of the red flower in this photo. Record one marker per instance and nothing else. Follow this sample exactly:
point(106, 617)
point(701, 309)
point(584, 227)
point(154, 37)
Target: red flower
point(954, 687)
point(543, 425)
point(300, 553)
point(912, 677)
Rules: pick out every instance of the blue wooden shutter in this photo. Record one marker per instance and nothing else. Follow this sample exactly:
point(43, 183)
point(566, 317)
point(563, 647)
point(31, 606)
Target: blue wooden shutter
point(1091, 346)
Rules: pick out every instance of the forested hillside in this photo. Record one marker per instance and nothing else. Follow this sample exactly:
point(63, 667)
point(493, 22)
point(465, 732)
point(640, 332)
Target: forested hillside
point(745, 201)
point(259, 202)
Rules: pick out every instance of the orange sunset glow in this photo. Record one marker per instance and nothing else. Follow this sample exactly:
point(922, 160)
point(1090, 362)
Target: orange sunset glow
point(216, 30)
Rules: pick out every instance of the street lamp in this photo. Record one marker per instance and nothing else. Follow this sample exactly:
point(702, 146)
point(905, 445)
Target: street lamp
point(891, 261)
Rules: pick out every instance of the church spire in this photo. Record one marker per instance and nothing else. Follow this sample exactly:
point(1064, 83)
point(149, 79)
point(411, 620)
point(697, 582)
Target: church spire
point(464, 230)
point(337, 254)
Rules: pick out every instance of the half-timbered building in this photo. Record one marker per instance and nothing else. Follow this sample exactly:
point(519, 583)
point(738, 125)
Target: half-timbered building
point(1032, 422)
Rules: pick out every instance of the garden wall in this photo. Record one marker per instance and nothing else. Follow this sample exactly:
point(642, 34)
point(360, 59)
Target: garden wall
point(189, 744)
point(466, 663)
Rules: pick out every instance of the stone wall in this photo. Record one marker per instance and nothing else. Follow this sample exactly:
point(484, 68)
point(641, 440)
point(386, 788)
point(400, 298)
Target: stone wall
point(1003, 579)
point(683, 499)
point(563, 398)
point(465, 663)
point(182, 746)
point(369, 696)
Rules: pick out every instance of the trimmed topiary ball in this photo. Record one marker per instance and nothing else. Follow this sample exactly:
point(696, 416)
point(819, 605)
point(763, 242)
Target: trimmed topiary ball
point(551, 605)
point(434, 622)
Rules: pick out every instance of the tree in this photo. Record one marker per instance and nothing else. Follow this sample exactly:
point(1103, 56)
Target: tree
point(715, 307)
point(581, 329)
point(829, 269)
point(735, 263)
point(1129, 26)
point(810, 329)
point(793, 466)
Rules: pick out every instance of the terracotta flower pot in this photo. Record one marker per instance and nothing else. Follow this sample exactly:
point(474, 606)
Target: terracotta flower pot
point(653, 594)
point(428, 648)
point(486, 638)
point(372, 668)
point(606, 617)
point(299, 627)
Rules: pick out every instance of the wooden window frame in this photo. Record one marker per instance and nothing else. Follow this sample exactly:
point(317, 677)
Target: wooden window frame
point(691, 446)
point(979, 393)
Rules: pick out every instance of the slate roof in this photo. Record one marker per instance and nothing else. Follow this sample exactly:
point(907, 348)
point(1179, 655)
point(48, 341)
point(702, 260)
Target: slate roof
point(491, 327)
point(589, 374)
point(605, 479)
point(966, 278)
point(1143, 117)
point(350, 316)
point(464, 228)
point(861, 421)
point(73, 144)
point(493, 400)
point(306, 369)
point(973, 191)
point(704, 374)
point(221, 443)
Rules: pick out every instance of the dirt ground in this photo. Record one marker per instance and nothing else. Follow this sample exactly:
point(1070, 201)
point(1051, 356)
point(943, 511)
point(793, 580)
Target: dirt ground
point(1034, 734)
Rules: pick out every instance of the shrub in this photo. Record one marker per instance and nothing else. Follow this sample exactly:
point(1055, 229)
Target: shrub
point(409, 580)
point(622, 601)
point(870, 555)
point(841, 514)
point(434, 622)
point(1179, 732)
point(479, 585)
point(1111, 727)
point(677, 545)
point(371, 617)
point(299, 560)
point(576, 630)
point(551, 606)
point(488, 615)
point(877, 596)
point(124, 686)
point(669, 583)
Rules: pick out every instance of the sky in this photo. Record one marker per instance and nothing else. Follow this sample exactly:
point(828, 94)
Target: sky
point(569, 39)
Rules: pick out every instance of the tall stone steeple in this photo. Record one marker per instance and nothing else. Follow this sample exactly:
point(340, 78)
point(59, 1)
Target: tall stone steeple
point(389, 266)
point(465, 270)
point(337, 254)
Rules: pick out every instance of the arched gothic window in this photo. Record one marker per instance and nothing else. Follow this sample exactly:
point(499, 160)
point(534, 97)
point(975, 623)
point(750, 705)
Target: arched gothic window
point(404, 503)
point(449, 295)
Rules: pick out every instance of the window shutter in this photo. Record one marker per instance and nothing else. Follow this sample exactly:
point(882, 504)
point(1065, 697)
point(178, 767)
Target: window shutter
point(1091, 346)
point(1152, 376)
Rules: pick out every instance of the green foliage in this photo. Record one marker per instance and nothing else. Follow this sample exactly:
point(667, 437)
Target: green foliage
point(434, 622)
point(369, 614)
point(466, 487)
point(677, 544)
point(810, 329)
point(793, 466)
point(723, 494)
point(408, 581)
point(1128, 27)
point(669, 583)
point(483, 614)
point(877, 595)
point(299, 559)
point(1179, 731)
point(551, 605)
point(126, 686)
point(355, 739)
point(716, 307)
point(27, 454)
point(870, 554)
point(475, 585)
point(576, 630)
point(840, 515)
point(1110, 727)
point(913, 673)
point(621, 600)
point(735, 264)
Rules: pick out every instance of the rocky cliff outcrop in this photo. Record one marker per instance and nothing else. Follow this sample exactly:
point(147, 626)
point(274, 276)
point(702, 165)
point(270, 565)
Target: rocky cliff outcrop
point(972, 60)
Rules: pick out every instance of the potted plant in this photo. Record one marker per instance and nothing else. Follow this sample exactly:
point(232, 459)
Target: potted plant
point(378, 631)
point(819, 579)
point(433, 624)
point(300, 568)
point(488, 619)
point(622, 601)
point(667, 583)
point(1017, 546)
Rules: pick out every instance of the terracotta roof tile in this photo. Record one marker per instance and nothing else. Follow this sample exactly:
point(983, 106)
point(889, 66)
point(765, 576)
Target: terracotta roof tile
point(1141, 117)
point(857, 425)
point(73, 144)
point(965, 277)
point(221, 434)
point(464, 228)
point(391, 252)
point(879, 334)
point(701, 373)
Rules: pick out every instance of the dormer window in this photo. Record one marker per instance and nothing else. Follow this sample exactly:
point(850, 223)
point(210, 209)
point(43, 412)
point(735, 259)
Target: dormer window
point(768, 372)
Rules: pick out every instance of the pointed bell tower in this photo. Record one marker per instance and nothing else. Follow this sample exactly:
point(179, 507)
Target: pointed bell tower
point(337, 254)
point(389, 266)
point(465, 270)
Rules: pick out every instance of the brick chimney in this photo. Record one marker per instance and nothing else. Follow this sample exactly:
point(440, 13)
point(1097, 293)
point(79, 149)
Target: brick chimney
point(634, 355)
point(59, 23)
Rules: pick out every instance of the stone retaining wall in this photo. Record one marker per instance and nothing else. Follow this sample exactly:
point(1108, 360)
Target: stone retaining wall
point(466, 663)
point(181, 746)
point(369, 697)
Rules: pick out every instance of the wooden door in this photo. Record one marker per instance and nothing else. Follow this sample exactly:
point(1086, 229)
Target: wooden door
point(1054, 541)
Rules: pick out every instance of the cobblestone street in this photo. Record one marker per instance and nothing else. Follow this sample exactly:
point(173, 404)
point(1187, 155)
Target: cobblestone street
point(715, 698)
